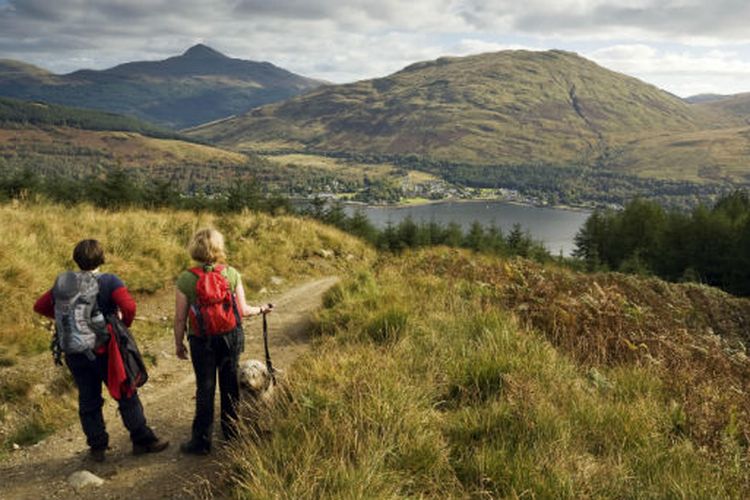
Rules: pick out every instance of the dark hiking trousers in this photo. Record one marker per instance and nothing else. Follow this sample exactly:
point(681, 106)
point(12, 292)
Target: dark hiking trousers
point(89, 375)
point(209, 355)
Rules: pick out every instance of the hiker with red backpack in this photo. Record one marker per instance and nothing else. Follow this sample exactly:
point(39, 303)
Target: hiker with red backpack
point(209, 304)
point(85, 305)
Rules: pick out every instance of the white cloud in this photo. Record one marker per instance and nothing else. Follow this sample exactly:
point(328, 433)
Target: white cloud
point(344, 40)
point(653, 19)
point(474, 46)
point(686, 72)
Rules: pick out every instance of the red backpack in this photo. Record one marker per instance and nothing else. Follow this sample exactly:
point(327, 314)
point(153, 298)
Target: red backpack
point(215, 309)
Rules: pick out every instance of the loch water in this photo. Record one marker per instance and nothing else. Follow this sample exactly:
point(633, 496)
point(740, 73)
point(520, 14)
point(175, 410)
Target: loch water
point(555, 227)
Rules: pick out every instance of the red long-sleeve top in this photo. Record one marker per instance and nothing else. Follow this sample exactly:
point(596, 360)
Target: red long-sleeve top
point(120, 297)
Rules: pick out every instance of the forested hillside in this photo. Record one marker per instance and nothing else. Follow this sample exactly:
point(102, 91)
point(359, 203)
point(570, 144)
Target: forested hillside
point(40, 114)
point(708, 245)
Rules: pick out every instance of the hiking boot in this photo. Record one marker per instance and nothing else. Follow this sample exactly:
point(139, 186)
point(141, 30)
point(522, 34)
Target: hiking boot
point(153, 447)
point(193, 447)
point(97, 454)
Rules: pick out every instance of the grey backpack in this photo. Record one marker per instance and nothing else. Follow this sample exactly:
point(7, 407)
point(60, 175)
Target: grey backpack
point(80, 326)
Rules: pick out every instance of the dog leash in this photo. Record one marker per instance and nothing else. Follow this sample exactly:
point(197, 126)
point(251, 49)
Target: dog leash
point(269, 366)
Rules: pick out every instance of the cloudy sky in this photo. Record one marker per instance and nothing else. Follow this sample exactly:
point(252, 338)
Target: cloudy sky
point(684, 46)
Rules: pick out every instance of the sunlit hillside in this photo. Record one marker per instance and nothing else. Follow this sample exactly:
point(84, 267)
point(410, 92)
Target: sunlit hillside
point(56, 140)
point(147, 249)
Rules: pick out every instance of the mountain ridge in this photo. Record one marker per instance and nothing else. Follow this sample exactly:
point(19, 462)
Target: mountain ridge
point(197, 86)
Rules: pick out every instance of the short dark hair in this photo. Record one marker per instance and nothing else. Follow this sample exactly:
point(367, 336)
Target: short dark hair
point(88, 254)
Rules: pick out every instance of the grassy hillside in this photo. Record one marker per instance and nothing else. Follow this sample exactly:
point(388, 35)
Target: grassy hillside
point(439, 373)
point(512, 380)
point(147, 249)
point(196, 87)
point(703, 98)
point(507, 108)
point(55, 140)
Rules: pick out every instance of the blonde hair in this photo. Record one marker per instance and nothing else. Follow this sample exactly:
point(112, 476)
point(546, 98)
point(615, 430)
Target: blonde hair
point(207, 246)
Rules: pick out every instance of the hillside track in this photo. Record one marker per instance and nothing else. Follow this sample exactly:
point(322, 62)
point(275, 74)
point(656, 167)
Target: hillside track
point(41, 471)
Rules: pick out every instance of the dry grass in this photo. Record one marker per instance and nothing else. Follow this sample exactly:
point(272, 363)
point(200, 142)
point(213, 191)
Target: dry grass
point(695, 336)
point(147, 250)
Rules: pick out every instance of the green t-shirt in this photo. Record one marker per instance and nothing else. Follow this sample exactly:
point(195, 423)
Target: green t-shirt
point(186, 281)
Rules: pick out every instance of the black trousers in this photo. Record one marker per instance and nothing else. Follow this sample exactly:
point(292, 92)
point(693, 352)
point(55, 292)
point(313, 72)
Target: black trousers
point(211, 355)
point(89, 375)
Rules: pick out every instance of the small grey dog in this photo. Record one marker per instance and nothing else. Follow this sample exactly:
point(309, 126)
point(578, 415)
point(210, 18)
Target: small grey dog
point(256, 382)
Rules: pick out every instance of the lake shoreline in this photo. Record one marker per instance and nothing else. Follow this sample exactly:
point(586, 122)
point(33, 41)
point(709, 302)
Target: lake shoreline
point(399, 206)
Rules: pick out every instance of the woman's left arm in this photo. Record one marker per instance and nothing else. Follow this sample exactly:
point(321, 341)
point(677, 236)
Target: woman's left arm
point(242, 305)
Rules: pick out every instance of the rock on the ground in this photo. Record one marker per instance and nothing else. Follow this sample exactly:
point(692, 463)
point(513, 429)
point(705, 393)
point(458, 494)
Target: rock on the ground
point(83, 478)
point(276, 280)
point(326, 254)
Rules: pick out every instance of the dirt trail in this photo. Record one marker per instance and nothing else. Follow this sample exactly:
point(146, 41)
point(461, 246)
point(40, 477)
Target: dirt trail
point(40, 472)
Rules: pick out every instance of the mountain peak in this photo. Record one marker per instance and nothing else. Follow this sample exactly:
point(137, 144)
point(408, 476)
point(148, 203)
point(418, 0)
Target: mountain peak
point(200, 51)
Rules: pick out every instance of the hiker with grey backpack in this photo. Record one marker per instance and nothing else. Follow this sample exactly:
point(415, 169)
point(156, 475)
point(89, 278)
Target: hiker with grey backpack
point(92, 313)
point(209, 305)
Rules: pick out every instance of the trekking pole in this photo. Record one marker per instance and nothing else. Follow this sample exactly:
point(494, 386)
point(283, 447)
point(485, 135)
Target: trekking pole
point(269, 366)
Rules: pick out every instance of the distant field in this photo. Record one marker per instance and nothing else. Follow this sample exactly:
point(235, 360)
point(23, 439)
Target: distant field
point(332, 165)
point(349, 169)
